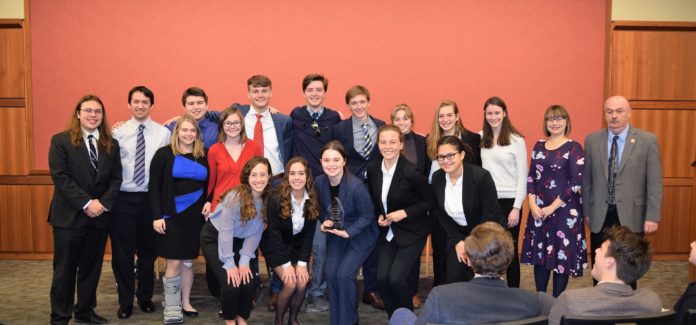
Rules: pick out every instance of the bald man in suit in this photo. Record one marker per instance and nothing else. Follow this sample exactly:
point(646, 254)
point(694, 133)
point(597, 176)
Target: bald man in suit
point(622, 184)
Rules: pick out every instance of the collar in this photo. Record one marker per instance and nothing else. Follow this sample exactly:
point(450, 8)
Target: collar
point(459, 180)
point(622, 135)
point(305, 198)
point(94, 133)
point(147, 122)
point(320, 111)
point(358, 122)
point(265, 113)
point(389, 172)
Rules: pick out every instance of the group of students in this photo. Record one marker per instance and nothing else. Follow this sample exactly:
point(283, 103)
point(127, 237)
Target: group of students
point(212, 180)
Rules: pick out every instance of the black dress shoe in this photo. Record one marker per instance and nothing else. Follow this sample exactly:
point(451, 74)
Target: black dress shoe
point(190, 313)
point(92, 319)
point(124, 312)
point(146, 306)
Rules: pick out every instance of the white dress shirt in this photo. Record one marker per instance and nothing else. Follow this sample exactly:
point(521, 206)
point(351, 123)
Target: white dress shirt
point(271, 149)
point(453, 199)
point(387, 176)
point(156, 136)
point(298, 220)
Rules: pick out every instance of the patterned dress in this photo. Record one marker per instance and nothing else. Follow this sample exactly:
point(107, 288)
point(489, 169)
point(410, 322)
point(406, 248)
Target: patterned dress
point(558, 241)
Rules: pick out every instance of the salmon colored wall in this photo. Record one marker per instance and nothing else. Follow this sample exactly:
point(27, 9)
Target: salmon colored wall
point(531, 53)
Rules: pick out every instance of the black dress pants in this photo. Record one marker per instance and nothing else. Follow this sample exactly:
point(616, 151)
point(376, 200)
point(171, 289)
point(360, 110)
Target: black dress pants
point(438, 240)
point(395, 265)
point(513, 271)
point(77, 259)
point(130, 228)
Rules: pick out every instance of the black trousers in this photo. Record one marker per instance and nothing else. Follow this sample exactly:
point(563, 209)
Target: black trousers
point(438, 240)
point(130, 228)
point(513, 271)
point(395, 265)
point(596, 239)
point(236, 301)
point(77, 259)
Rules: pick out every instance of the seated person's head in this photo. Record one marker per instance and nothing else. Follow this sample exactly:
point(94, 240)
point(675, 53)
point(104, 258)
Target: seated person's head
point(624, 256)
point(692, 254)
point(490, 249)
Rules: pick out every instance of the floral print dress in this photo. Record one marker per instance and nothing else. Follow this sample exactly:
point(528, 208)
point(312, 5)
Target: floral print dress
point(558, 241)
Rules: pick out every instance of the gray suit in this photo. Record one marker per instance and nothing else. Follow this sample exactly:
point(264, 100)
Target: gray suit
point(479, 301)
point(606, 299)
point(638, 181)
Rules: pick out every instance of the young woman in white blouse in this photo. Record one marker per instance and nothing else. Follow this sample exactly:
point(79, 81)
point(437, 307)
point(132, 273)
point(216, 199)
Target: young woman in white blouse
point(504, 155)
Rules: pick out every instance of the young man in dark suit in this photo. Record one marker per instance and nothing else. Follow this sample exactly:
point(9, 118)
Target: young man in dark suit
point(85, 165)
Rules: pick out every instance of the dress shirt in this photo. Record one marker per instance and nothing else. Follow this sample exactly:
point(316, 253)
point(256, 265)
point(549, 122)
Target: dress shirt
point(387, 176)
point(359, 134)
point(453, 199)
point(271, 149)
point(85, 135)
point(209, 128)
point(228, 224)
point(319, 112)
point(297, 220)
point(508, 167)
point(156, 136)
point(620, 143)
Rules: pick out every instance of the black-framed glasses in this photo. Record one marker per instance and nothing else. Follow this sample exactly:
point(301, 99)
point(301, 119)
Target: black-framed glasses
point(556, 118)
point(232, 123)
point(447, 156)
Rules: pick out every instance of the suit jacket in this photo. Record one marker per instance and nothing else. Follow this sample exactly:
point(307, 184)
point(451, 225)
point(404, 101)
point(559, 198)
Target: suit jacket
point(76, 182)
point(305, 141)
point(638, 181)
point(479, 198)
point(277, 242)
point(423, 162)
point(357, 165)
point(359, 214)
point(605, 299)
point(474, 141)
point(283, 129)
point(482, 300)
point(410, 191)
point(686, 301)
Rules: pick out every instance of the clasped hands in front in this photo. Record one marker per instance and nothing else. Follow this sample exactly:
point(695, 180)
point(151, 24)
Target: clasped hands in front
point(94, 209)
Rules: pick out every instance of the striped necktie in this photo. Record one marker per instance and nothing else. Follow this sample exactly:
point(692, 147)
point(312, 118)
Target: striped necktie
point(367, 148)
point(613, 170)
point(139, 170)
point(92, 152)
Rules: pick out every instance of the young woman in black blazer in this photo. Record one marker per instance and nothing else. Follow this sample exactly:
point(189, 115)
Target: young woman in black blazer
point(466, 197)
point(402, 199)
point(291, 213)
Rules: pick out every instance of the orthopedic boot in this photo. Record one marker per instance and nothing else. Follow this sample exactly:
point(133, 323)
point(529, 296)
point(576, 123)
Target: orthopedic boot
point(173, 313)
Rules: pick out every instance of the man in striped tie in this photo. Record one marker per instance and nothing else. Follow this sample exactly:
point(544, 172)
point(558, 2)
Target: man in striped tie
point(130, 226)
point(358, 134)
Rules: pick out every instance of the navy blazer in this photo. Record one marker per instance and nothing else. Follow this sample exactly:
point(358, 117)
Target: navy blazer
point(76, 182)
point(283, 127)
point(357, 165)
point(277, 242)
point(410, 191)
point(479, 198)
point(360, 221)
point(305, 141)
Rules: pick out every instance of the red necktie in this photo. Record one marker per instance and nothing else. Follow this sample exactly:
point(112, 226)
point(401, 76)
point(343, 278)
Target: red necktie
point(258, 131)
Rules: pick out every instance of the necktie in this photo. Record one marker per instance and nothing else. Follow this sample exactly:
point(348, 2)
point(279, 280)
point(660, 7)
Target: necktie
point(613, 169)
point(92, 152)
point(315, 116)
point(258, 130)
point(368, 141)
point(139, 170)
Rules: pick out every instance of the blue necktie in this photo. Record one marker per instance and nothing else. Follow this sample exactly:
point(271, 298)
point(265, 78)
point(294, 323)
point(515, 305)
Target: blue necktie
point(139, 170)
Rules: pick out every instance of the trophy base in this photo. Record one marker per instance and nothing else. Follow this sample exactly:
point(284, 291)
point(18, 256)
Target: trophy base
point(334, 227)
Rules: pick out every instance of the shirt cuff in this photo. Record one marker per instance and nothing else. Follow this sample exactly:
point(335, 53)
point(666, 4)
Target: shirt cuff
point(86, 205)
point(229, 265)
point(286, 265)
point(244, 260)
point(301, 263)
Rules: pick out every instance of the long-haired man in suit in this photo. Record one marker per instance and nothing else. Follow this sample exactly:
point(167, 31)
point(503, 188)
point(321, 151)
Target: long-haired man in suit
point(85, 165)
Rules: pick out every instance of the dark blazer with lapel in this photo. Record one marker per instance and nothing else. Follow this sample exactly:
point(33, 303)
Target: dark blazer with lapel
point(422, 161)
point(283, 127)
point(277, 241)
point(360, 221)
point(76, 182)
point(357, 165)
point(474, 141)
point(479, 198)
point(410, 191)
point(305, 142)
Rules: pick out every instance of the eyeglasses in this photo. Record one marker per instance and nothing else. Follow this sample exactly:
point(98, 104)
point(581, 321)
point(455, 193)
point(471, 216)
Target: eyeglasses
point(97, 111)
point(447, 156)
point(556, 118)
point(236, 124)
point(315, 127)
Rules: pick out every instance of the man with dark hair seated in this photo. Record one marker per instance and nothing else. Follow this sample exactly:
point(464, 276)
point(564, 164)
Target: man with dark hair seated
point(623, 257)
point(486, 298)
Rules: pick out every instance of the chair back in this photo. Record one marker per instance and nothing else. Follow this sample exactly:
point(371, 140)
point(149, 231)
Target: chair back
point(662, 318)
point(539, 320)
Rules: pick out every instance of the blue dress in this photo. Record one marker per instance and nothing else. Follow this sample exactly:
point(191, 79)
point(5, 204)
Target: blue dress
point(558, 241)
point(181, 240)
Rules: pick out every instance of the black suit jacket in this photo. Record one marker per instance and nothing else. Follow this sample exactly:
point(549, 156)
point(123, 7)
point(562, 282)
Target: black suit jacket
point(479, 198)
point(356, 164)
point(76, 182)
point(410, 191)
point(423, 162)
point(474, 141)
point(277, 242)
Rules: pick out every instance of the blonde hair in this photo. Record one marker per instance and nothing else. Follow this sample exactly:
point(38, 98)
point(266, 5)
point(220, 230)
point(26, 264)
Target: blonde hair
point(198, 148)
point(436, 131)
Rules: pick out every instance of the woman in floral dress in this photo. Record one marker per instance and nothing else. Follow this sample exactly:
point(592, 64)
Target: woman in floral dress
point(554, 239)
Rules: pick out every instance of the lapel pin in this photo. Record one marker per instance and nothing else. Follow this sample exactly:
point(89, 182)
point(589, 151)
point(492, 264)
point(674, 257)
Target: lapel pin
point(633, 140)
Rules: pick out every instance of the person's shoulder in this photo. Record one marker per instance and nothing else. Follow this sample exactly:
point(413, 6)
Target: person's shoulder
point(648, 295)
point(596, 135)
point(60, 136)
point(642, 133)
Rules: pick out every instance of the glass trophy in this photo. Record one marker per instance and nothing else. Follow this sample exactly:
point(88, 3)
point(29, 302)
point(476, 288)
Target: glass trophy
point(336, 214)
